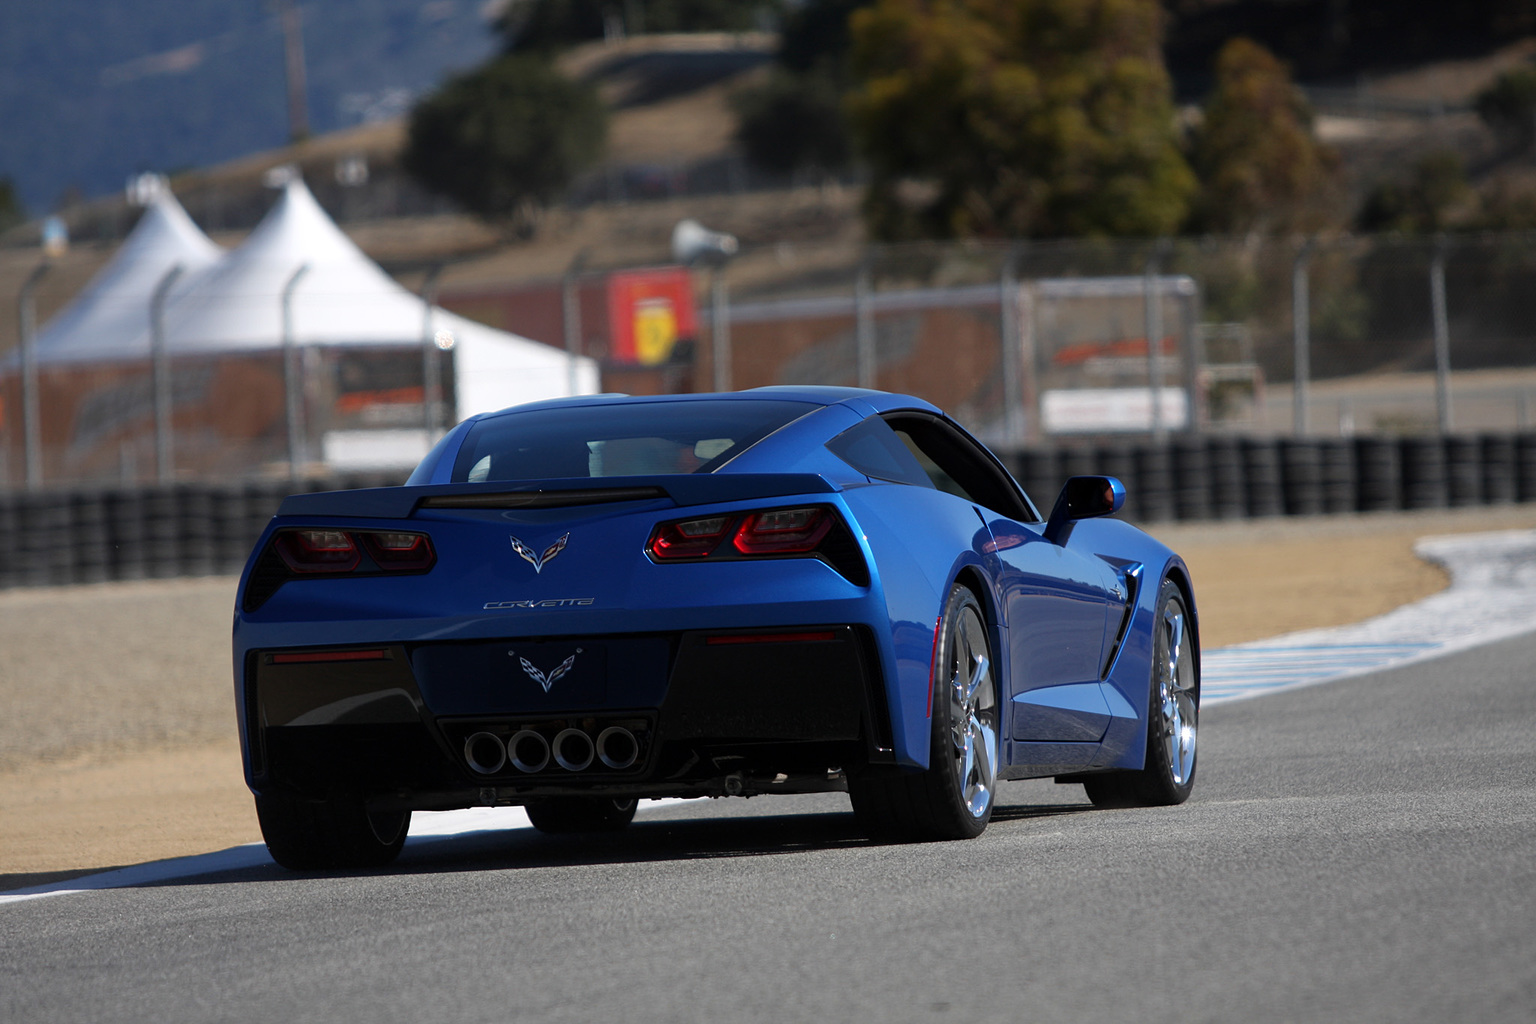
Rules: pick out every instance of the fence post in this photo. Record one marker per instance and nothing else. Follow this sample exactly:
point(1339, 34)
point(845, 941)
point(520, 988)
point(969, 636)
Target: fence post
point(30, 420)
point(1442, 337)
point(720, 327)
point(864, 322)
point(291, 375)
point(570, 317)
point(1153, 308)
point(1301, 336)
point(160, 369)
point(1013, 351)
point(431, 368)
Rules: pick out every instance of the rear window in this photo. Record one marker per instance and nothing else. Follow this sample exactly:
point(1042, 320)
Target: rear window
point(641, 439)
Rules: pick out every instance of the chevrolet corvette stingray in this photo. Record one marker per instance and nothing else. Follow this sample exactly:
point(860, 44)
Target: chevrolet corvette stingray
point(575, 604)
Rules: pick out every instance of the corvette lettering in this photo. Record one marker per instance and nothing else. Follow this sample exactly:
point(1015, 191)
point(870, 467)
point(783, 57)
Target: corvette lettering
point(553, 602)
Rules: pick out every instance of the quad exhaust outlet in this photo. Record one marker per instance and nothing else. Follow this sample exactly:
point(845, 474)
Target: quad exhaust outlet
point(574, 750)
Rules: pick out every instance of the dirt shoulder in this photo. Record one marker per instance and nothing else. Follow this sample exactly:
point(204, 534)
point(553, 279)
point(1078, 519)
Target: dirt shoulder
point(117, 744)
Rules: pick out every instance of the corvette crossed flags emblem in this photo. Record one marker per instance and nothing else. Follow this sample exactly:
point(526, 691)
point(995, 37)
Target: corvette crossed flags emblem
point(537, 560)
point(538, 675)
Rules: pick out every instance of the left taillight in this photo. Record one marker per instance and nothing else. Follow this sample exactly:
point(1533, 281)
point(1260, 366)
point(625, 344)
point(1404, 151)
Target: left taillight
point(322, 551)
point(400, 552)
point(310, 552)
point(317, 551)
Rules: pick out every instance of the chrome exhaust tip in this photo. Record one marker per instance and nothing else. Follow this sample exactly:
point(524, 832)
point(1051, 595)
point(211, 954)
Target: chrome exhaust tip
point(573, 750)
point(617, 747)
point(484, 753)
point(529, 751)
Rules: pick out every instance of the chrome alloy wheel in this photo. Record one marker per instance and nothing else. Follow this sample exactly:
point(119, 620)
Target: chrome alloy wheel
point(1176, 694)
point(972, 710)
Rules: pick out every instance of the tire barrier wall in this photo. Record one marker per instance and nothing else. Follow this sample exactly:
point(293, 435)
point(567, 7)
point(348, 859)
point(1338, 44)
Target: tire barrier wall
point(53, 538)
point(1195, 478)
point(92, 536)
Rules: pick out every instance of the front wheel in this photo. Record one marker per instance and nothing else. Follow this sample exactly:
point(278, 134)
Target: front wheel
point(560, 814)
point(953, 797)
point(340, 832)
point(1173, 717)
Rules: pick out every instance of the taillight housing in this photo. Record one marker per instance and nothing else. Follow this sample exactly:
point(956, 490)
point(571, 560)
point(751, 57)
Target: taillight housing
point(782, 531)
point(803, 531)
point(400, 552)
point(311, 551)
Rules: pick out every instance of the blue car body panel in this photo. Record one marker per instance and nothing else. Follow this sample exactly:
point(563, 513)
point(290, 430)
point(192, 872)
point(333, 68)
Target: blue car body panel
point(1071, 623)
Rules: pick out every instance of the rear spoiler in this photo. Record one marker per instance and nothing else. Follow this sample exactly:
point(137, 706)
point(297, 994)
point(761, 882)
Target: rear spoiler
point(402, 502)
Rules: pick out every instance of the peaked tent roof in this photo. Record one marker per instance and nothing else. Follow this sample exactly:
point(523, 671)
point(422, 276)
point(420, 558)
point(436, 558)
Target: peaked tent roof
point(232, 302)
point(109, 320)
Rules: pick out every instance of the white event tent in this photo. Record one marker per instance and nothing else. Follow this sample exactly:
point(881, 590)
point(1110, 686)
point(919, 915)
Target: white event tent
point(109, 320)
point(344, 298)
point(232, 303)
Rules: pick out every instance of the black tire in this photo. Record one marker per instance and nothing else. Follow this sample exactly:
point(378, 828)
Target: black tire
point(557, 815)
point(340, 832)
point(953, 797)
point(1167, 775)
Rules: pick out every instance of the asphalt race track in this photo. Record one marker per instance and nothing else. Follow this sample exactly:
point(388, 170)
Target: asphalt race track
point(1363, 851)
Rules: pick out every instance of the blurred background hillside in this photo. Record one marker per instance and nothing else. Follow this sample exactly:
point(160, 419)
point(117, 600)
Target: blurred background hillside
point(493, 149)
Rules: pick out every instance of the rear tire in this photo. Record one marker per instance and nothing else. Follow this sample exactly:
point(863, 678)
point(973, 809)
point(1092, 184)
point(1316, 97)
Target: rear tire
point(558, 815)
point(1167, 775)
point(953, 797)
point(339, 832)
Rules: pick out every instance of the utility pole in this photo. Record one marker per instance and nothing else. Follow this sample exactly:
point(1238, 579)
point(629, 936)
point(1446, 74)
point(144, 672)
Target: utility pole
point(293, 55)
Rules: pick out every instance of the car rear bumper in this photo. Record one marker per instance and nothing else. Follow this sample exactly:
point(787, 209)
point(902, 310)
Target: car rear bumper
point(456, 723)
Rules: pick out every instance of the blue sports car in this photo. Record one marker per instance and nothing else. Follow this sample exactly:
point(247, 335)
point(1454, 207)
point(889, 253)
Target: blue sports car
point(575, 604)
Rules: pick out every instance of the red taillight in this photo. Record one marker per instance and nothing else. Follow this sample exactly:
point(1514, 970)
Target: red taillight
point(688, 538)
point(312, 551)
point(807, 531)
point(336, 552)
point(782, 531)
point(399, 551)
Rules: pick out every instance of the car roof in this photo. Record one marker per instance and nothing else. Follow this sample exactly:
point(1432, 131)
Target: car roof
point(864, 400)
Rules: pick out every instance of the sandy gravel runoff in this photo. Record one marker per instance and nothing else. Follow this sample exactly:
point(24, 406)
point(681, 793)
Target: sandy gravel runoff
point(117, 740)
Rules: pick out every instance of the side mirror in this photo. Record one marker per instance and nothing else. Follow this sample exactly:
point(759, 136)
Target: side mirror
point(1083, 497)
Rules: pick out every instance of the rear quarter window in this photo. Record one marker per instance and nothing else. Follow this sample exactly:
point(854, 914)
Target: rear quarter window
point(874, 449)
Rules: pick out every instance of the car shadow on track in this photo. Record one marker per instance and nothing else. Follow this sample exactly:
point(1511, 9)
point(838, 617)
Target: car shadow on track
point(698, 836)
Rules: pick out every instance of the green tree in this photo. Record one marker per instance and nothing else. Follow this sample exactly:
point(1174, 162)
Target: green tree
point(1508, 106)
point(505, 138)
point(11, 210)
point(1016, 118)
point(1260, 165)
point(1424, 202)
point(795, 120)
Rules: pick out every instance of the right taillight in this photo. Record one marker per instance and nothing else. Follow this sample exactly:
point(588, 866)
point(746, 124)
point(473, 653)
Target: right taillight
point(782, 531)
point(810, 531)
